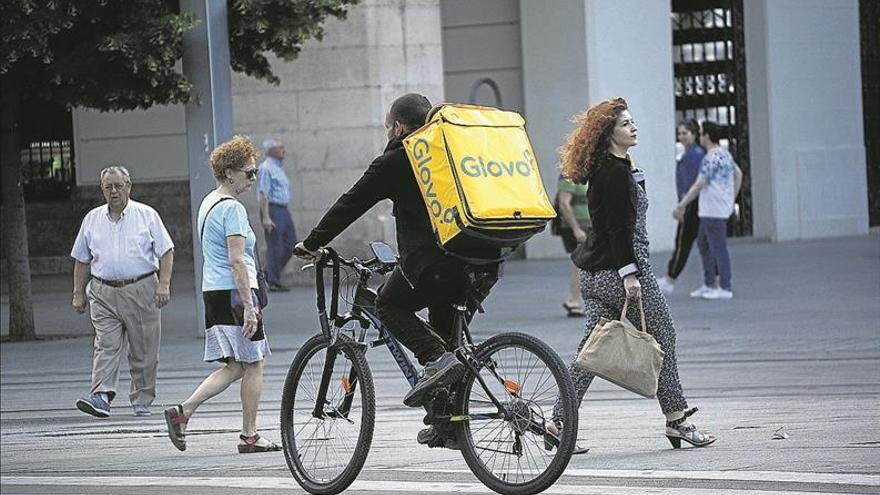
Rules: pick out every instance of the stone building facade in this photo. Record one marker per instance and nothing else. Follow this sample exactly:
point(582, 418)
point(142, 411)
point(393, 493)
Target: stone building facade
point(549, 60)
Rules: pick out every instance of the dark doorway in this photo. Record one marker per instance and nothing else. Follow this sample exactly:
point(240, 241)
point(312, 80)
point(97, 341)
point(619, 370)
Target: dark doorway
point(869, 19)
point(709, 66)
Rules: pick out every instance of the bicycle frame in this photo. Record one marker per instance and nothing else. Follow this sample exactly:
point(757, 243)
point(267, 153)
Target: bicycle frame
point(363, 312)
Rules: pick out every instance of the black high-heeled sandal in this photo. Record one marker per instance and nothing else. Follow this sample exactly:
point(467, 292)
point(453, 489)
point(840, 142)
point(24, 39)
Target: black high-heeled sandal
point(551, 439)
point(573, 310)
point(675, 433)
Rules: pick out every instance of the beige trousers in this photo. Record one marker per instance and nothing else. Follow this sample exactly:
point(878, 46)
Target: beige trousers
point(119, 315)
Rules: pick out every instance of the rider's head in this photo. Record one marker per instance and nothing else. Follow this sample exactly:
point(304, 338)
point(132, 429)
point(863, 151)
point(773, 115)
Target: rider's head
point(406, 114)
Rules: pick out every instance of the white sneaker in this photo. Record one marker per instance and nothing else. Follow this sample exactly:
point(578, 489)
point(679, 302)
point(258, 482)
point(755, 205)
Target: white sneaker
point(718, 293)
point(700, 291)
point(665, 285)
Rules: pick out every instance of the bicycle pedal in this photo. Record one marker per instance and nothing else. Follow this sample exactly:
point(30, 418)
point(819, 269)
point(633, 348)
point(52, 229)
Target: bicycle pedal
point(377, 343)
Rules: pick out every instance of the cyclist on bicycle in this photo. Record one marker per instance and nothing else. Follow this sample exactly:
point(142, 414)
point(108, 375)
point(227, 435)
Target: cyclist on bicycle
point(425, 278)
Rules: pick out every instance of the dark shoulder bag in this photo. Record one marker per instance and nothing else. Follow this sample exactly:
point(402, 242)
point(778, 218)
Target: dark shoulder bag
point(262, 280)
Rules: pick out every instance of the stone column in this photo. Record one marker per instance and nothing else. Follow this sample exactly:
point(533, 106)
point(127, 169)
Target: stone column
point(330, 106)
point(805, 112)
point(577, 52)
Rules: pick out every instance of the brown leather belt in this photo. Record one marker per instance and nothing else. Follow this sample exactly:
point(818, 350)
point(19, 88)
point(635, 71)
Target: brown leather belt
point(122, 283)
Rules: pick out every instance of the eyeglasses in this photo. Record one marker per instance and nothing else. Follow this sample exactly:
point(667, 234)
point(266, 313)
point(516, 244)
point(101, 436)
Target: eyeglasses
point(249, 173)
point(117, 187)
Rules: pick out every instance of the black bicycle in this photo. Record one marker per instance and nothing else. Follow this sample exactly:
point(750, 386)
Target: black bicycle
point(498, 411)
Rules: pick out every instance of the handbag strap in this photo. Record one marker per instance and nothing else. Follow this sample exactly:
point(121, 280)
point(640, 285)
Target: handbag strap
point(205, 222)
point(641, 309)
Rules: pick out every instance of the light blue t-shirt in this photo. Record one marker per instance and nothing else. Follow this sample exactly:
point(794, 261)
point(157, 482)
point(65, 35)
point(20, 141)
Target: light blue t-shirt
point(228, 218)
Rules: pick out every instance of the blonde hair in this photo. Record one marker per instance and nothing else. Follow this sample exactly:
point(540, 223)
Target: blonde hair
point(232, 155)
point(586, 145)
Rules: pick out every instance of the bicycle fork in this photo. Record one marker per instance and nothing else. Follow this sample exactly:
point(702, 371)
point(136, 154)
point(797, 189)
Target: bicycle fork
point(349, 385)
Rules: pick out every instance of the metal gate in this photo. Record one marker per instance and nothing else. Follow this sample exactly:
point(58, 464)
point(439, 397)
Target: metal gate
point(709, 67)
point(47, 154)
point(869, 19)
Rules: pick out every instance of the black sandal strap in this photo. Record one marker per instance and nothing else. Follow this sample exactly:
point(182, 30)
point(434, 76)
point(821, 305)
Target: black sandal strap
point(253, 440)
point(676, 422)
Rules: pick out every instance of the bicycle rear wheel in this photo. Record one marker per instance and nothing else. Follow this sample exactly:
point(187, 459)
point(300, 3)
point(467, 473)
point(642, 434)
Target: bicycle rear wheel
point(326, 446)
point(513, 455)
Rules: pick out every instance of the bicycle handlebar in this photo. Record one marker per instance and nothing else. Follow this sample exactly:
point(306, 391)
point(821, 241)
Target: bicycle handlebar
point(330, 258)
point(372, 265)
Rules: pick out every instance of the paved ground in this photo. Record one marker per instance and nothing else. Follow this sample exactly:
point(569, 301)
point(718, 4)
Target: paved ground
point(799, 349)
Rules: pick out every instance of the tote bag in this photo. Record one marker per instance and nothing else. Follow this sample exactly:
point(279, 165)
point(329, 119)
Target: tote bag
point(623, 355)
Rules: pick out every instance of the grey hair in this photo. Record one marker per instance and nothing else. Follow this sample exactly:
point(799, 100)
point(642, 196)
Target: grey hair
point(270, 143)
point(116, 169)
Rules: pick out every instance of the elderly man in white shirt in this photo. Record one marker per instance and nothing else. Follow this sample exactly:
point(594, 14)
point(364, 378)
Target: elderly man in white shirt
point(123, 244)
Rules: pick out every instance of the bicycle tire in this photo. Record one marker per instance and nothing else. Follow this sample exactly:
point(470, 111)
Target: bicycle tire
point(474, 454)
point(295, 451)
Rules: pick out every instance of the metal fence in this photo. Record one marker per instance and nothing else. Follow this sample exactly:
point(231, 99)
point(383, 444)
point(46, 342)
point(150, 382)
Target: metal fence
point(47, 154)
point(47, 170)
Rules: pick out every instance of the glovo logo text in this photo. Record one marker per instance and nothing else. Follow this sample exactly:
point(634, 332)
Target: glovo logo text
point(481, 167)
point(421, 151)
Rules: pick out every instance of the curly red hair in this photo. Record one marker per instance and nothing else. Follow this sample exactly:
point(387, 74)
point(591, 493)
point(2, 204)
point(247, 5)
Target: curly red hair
point(589, 142)
point(232, 155)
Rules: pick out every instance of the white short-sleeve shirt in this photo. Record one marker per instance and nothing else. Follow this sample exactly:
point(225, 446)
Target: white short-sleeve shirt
point(124, 249)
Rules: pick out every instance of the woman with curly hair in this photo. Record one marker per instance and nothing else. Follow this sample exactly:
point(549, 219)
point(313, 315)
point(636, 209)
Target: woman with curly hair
point(233, 318)
point(614, 261)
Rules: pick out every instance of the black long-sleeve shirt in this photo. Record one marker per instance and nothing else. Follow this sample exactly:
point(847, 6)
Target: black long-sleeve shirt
point(389, 176)
point(611, 199)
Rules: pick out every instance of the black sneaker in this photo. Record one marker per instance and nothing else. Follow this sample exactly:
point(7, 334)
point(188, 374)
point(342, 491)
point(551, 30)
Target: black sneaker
point(444, 370)
point(278, 288)
point(433, 438)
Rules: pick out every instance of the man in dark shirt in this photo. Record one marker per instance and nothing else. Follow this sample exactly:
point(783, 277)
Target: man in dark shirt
point(426, 277)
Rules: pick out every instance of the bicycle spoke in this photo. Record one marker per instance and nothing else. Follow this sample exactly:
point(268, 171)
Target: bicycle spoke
point(527, 386)
point(322, 449)
point(496, 429)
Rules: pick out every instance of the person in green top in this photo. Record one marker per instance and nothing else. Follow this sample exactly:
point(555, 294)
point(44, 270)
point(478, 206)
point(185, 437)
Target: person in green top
point(574, 227)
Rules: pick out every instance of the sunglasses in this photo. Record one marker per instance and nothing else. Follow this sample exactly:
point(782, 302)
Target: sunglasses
point(250, 173)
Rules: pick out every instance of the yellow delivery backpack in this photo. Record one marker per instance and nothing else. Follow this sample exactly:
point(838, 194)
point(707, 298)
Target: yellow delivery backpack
point(479, 178)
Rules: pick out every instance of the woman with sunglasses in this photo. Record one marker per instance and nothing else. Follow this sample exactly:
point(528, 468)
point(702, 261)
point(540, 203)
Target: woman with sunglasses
point(233, 320)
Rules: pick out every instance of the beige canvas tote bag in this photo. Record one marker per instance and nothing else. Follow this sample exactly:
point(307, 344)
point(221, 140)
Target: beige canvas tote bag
point(623, 355)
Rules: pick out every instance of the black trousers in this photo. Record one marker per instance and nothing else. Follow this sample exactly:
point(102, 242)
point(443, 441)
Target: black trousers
point(685, 235)
point(439, 287)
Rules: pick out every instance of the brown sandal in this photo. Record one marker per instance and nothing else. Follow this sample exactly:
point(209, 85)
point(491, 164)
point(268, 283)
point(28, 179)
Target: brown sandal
point(250, 446)
point(175, 420)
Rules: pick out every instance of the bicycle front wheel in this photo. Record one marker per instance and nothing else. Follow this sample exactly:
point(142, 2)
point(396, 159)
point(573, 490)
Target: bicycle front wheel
point(326, 444)
point(510, 452)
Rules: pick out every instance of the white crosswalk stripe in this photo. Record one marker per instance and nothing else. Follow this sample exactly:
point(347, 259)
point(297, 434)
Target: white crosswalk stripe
point(392, 486)
point(768, 476)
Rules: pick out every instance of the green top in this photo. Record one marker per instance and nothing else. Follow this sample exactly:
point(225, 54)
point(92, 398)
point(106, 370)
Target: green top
point(578, 200)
